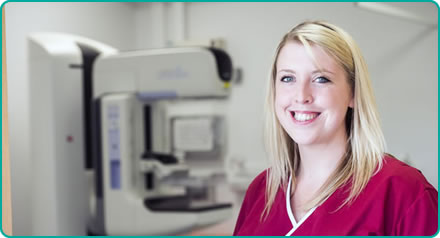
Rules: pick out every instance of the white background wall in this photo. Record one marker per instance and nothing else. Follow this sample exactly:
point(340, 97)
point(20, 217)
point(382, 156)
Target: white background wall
point(402, 57)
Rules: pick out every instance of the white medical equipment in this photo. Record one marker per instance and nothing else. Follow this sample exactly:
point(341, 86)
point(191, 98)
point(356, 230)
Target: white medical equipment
point(146, 144)
point(150, 125)
point(60, 83)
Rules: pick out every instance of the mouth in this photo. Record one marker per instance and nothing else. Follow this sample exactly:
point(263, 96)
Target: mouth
point(304, 116)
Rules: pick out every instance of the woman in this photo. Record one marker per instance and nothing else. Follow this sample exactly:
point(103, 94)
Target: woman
point(329, 173)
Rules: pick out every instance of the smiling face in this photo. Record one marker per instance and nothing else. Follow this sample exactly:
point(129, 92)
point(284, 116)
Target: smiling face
point(311, 97)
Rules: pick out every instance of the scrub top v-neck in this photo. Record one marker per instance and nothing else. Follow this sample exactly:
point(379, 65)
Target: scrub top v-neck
point(397, 200)
point(295, 224)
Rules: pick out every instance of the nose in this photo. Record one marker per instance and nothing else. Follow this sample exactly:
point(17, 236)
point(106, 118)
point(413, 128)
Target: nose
point(303, 93)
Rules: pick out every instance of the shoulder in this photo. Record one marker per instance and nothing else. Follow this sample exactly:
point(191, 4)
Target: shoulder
point(252, 204)
point(401, 176)
point(407, 196)
point(255, 193)
point(397, 184)
point(258, 185)
point(259, 180)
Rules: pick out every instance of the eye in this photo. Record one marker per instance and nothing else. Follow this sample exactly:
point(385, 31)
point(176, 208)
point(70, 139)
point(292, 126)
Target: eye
point(287, 79)
point(321, 79)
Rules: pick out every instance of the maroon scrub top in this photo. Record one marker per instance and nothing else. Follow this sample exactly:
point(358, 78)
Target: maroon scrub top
point(398, 200)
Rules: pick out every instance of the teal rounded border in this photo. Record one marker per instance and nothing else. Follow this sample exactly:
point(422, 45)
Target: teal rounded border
point(1, 106)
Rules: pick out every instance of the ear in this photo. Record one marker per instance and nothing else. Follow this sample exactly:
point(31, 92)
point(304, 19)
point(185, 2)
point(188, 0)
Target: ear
point(351, 104)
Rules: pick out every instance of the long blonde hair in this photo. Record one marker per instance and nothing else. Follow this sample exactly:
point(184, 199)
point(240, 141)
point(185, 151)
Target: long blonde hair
point(365, 144)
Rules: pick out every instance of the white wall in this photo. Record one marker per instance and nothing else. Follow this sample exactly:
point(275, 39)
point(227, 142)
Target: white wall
point(111, 23)
point(402, 57)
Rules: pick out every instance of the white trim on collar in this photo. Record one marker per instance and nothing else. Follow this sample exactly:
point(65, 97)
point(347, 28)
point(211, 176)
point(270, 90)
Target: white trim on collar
point(295, 224)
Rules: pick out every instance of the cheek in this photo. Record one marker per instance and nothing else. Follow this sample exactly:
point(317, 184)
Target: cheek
point(280, 104)
point(282, 98)
point(338, 102)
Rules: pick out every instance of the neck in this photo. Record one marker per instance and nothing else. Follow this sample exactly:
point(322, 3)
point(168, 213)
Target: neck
point(319, 161)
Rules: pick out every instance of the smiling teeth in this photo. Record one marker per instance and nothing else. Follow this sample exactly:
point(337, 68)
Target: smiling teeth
point(305, 116)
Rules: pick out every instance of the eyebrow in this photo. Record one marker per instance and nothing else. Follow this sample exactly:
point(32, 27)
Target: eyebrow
point(286, 70)
point(313, 72)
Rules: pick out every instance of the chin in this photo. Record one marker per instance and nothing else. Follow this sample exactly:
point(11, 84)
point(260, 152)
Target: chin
point(303, 140)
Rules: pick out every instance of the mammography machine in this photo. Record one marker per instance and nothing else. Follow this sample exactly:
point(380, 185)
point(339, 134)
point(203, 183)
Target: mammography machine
point(147, 141)
point(148, 126)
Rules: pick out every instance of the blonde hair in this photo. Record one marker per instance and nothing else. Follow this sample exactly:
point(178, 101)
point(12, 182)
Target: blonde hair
point(365, 144)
